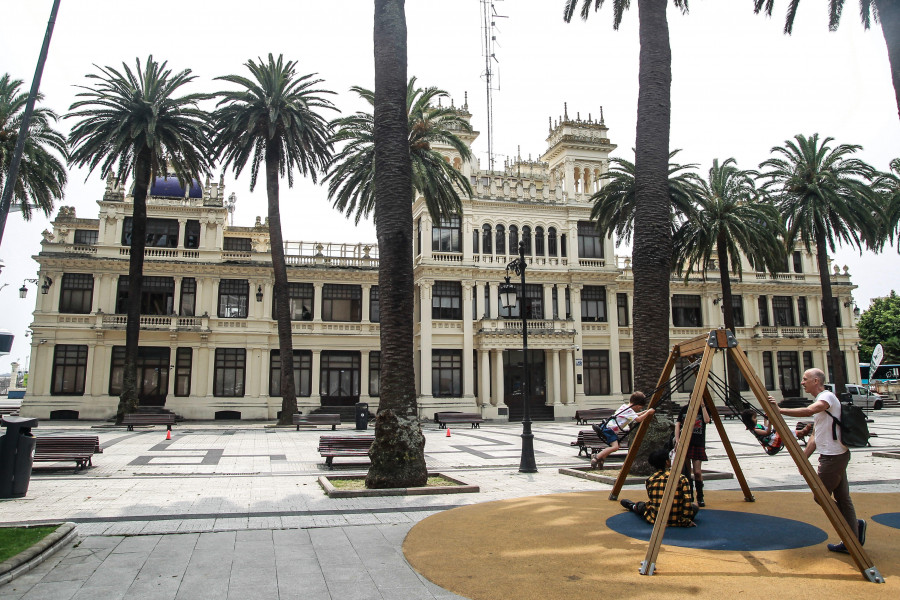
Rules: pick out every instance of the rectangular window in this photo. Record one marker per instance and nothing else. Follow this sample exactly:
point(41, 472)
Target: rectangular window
point(554, 297)
point(807, 360)
point(798, 262)
point(803, 311)
point(768, 371)
point(339, 374)
point(300, 302)
point(374, 374)
point(534, 303)
point(86, 237)
point(475, 236)
point(152, 366)
point(737, 306)
point(763, 305)
point(596, 372)
point(622, 309)
point(192, 234)
point(157, 295)
point(788, 373)
point(231, 367)
point(783, 311)
point(446, 373)
point(302, 372)
point(341, 302)
point(686, 311)
point(237, 244)
point(590, 242)
point(188, 297)
point(593, 303)
point(374, 305)
point(161, 233)
point(625, 372)
point(551, 242)
point(686, 375)
point(69, 370)
point(445, 235)
point(446, 300)
point(76, 293)
point(183, 364)
point(234, 297)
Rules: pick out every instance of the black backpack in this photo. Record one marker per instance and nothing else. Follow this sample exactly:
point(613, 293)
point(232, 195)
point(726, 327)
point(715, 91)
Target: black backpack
point(854, 428)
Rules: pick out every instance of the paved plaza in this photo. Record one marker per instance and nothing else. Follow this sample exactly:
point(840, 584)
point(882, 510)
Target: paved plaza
point(234, 509)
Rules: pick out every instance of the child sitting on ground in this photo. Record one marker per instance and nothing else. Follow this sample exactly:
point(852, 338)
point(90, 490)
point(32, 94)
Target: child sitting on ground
point(683, 508)
point(765, 433)
point(621, 421)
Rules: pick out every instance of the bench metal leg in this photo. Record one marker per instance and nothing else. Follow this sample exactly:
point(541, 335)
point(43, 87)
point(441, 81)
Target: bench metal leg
point(328, 460)
point(334, 427)
point(131, 428)
point(168, 428)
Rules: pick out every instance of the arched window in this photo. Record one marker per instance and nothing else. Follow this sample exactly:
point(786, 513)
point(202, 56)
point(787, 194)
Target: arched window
point(486, 239)
point(551, 241)
point(457, 163)
point(538, 241)
point(526, 237)
point(500, 234)
point(513, 239)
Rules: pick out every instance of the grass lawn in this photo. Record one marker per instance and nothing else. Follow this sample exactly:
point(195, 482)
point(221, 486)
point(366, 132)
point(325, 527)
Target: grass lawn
point(359, 483)
point(15, 539)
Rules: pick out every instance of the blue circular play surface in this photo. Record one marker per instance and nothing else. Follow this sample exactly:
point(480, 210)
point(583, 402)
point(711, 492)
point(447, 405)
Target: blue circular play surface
point(726, 530)
point(889, 519)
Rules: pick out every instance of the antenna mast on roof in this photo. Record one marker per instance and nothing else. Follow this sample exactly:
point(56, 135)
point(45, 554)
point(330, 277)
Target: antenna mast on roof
point(489, 31)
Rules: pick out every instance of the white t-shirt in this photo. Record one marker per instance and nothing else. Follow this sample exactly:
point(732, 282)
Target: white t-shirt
point(622, 420)
point(825, 442)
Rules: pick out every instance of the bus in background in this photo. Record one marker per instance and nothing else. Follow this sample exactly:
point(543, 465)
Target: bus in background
point(884, 373)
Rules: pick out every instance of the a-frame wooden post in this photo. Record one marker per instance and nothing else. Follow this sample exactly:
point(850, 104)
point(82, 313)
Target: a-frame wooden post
point(724, 340)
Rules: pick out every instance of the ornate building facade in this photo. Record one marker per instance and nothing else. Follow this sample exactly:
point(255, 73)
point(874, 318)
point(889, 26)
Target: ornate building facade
point(209, 345)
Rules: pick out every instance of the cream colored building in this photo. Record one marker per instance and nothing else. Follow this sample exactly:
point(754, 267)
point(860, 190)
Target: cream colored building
point(209, 346)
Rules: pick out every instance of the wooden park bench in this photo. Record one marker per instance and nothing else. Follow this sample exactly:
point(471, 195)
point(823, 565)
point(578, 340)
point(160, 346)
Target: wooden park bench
point(64, 448)
point(133, 419)
point(317, 419)
point(589, 442)
point(445, 418)
point(331, 446)
point(592, 414)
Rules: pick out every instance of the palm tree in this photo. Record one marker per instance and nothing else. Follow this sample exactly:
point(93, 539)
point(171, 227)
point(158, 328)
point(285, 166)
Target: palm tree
point(652, 254)
point(888, 184)
point(730, 218)
point(352, 178)
point(131, 122)
point(825, 198)
point(614, 205)
point(885, 11)
point(42, 175)
point(274, 117)
point(398, 453)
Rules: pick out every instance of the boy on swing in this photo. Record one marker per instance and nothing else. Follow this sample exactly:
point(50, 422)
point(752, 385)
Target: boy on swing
point(621, 421)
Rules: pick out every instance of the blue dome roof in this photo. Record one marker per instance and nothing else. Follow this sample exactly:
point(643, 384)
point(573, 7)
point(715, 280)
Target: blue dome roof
point(169, 187)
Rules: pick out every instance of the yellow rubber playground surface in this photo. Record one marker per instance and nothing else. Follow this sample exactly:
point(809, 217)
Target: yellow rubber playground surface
point(561, 546)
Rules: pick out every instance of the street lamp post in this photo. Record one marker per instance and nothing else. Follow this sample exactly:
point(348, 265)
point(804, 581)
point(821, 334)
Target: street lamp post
point(508, 300)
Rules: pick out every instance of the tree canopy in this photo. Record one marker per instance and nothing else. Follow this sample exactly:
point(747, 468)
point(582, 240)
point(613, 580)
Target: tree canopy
point(880, 324)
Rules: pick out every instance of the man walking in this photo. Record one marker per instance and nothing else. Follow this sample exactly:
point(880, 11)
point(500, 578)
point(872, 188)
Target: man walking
point(833, 455)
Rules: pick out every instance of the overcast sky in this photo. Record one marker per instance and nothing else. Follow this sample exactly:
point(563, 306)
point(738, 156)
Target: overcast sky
point(739, 88)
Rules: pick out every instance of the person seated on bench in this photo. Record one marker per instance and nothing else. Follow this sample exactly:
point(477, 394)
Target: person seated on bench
point(765, 433)
point(683, 508)
point(619, 424)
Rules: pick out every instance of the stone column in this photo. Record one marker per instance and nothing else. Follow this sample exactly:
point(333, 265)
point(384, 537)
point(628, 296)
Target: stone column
point(561, 301)
point(497, 399)
point(557, 384)
point(569, 368)
point(316, 376)
point(796, 308)
point(468, 342)
point(425, 339)
point(612, 315)
point(364, 374)
point(548, 301)
point(317, 301)
point(95, 295)
point(479, 301)
point(89, 372)
point(173, 360)
point(100, 363)
point(366, 295)
point(176, 295)
point(484, 376)
point(181, 227)
point(494, 299)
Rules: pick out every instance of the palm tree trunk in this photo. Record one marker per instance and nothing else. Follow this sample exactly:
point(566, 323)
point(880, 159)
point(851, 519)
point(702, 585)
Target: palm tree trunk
point(398, 453)
point(652, 255)
point(128, 400)
point(282, 302)
point(889, 14)
point(727, 305)
point(834, 344)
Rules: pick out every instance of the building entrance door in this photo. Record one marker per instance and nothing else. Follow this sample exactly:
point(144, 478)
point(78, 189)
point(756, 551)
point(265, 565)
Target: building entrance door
point(513, 385)
point(339, 378)
point(153, 376)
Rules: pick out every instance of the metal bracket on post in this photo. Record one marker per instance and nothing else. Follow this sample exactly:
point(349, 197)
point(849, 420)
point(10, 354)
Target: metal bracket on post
point(647, 570)
point(721, 338)
point(873, 575)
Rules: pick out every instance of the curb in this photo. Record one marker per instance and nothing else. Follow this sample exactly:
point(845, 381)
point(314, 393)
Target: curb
point(31, 557)
point(332, 492)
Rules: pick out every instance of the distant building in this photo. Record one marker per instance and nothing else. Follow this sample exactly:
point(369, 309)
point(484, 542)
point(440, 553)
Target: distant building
point(209, 346)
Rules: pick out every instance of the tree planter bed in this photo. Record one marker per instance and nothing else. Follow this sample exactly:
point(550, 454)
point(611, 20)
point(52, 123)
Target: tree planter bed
point(457, 487)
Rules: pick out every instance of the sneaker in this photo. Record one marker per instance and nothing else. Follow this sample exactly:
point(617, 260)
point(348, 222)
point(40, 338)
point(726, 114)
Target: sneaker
point(627, 504)
point(861, 531)
point(640, 508)
point(838, 548)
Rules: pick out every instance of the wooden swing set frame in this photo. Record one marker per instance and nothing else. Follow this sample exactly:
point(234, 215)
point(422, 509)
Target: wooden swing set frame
point(708, 345)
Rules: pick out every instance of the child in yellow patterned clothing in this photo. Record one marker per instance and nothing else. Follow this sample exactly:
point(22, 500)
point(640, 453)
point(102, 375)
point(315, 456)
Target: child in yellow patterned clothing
point(683, 508)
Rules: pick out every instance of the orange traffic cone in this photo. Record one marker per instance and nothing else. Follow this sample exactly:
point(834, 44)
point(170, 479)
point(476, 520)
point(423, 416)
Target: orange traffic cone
point(448, 432)
point(169, 434)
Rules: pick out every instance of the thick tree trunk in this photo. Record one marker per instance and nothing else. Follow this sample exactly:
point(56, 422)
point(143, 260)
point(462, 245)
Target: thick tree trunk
point(834, 343)
point(398, 453)
point(652, 255)
point(731, 368)
point(128, 400)
point(282, 302)
point(889, 14)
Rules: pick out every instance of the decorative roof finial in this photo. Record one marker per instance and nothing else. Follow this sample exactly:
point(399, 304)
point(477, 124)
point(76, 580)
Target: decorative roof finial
point(550, 122)
point(601, 115)
point(566, 111)
point(589, 117)
point(466, 100)
point(519, 152)
point(578, 116)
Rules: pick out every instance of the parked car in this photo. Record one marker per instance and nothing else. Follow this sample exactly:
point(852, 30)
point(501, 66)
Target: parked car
point(861, 396)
